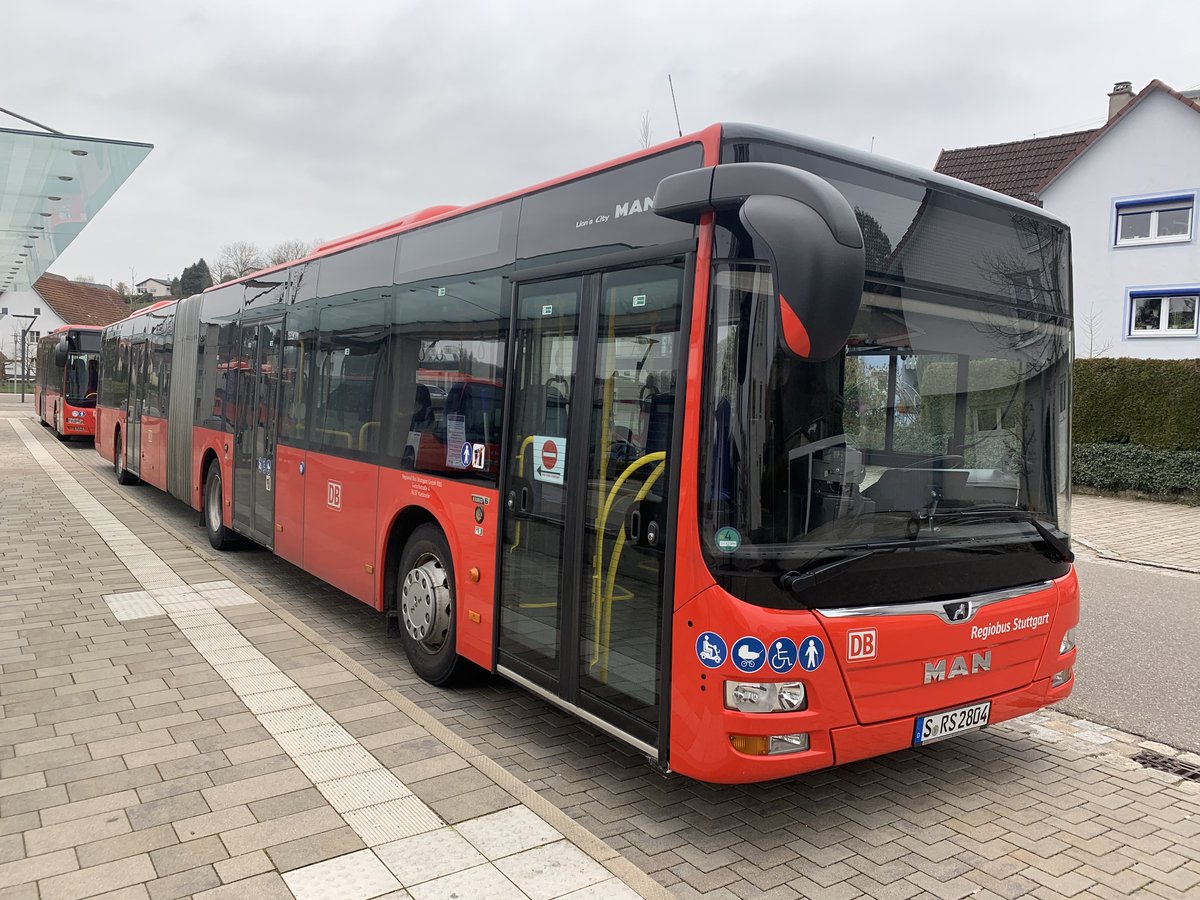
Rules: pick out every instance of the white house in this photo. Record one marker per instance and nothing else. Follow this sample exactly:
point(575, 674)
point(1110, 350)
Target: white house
point(155, 287)
point(1128, 189)
point(14, 306)
point(56, 302)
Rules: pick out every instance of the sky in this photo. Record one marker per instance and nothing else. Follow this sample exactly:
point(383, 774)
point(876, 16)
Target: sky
point(274, 121)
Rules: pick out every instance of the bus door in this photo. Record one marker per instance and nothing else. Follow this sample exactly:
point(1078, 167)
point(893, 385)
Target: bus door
point(256, 395)
point(139, 363)
point(586, 540)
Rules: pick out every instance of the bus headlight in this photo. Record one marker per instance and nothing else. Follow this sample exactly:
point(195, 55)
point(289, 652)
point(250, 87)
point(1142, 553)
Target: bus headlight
point(1068, 642)
point(765, 696)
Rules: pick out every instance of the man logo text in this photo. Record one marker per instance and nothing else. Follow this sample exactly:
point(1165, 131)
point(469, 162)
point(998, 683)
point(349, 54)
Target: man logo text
point(980, 662)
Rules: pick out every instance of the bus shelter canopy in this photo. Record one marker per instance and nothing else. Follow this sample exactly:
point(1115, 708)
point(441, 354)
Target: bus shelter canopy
point(51, 186)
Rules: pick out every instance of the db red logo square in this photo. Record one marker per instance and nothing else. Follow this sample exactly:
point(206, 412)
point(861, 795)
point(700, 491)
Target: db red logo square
point(333, 496)
point(860, 644)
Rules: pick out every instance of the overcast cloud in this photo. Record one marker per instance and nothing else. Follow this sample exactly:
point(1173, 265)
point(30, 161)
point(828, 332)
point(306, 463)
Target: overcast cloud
point(277, 120)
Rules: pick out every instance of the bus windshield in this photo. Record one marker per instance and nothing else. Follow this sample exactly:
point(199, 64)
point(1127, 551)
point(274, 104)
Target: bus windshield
point(939, 403)
point(82, 378)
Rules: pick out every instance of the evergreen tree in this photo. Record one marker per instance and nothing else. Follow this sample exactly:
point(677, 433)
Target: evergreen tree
point(195, 278)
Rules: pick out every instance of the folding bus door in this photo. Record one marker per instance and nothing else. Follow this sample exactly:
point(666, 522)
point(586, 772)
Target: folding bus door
point(586, 540)
point(256, 396)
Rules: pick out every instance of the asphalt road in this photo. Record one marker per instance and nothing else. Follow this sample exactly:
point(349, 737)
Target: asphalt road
point(1139, 652)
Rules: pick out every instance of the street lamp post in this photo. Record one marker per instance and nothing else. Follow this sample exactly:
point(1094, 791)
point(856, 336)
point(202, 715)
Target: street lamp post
point(24, 340)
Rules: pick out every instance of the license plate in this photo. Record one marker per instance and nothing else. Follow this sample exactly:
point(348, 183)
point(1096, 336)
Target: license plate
point(938, 726)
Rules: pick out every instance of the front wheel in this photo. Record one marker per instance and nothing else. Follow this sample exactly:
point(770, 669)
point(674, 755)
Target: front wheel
point(426, 608)
point(218, 535)
point(122, 473)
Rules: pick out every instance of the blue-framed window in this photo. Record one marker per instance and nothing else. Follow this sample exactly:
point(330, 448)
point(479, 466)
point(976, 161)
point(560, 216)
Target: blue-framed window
point(1154, 220)
point(1163, 313)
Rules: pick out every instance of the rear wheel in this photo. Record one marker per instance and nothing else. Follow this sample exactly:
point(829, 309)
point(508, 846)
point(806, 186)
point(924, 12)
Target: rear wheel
point(218, 535)
point(122, 473)
point(425, 606)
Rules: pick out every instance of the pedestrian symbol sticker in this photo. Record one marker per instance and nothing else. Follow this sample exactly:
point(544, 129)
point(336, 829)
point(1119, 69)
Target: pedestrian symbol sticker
point(749, 654)
point(783, 655)
point(466, 453)
point(710, 649)
point(812, 653)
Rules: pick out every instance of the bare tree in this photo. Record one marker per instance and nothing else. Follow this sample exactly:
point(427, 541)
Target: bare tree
point(238, 259)
point(1094, 343)
point(286, 251)
point(644, 131)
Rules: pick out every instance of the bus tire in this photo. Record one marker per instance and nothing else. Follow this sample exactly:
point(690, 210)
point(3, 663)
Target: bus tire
point(218, 535)
point(122, 473)
point(426, 609)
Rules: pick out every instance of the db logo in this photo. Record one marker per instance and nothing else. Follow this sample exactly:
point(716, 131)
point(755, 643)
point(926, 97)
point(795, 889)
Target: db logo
point(861, 644)
point(333, 495)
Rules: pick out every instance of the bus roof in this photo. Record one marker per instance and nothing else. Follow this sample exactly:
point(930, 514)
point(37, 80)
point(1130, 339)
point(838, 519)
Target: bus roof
point(711, 138)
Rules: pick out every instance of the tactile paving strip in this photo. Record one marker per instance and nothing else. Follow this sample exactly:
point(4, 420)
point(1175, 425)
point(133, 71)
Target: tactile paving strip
point(362, 790)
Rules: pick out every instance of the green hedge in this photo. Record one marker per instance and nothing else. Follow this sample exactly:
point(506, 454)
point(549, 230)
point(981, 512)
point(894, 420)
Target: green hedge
point(1154, 403)
point(1129, 467)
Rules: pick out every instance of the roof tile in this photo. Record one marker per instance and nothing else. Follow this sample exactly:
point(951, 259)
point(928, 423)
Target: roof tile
point(1018, 168)
point(80, 303)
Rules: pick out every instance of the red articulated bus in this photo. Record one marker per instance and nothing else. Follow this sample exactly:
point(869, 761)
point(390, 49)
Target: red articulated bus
point(750, 450)
point(68, 376)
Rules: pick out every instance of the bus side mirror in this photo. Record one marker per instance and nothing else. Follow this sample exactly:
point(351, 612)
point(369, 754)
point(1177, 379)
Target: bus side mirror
point(808, 231)
point(61, 349)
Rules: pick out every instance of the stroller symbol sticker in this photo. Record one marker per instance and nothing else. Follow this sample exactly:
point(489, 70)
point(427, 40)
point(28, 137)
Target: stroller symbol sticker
point(710, 649)
point(749, 654)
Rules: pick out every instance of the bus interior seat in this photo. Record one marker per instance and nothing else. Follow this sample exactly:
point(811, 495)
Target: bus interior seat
point(898, 490)
point(422, 418)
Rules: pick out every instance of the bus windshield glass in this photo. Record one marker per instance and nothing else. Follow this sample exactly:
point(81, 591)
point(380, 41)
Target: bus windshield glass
point(82, 378)
point(860, 469)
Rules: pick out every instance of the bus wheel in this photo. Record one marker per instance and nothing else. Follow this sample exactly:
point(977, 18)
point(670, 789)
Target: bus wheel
point(218, 535)
point(122, 473)
point(425, 604)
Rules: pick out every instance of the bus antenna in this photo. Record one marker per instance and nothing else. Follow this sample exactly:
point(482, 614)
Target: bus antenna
point(674, 104)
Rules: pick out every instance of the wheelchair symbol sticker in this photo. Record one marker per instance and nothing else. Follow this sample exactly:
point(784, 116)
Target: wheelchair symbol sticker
point(710, 649)
point(783, 655)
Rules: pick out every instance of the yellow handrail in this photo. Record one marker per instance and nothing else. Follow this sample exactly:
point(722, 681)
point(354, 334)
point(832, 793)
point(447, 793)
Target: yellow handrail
point(520, 474)
point(602, 523)
point(605, 626)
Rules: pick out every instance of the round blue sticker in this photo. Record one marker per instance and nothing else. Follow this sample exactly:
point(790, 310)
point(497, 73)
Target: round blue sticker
point(749, 654)
point(812, 653)
point(783, 655)
point(466, 456)
point(711, 649)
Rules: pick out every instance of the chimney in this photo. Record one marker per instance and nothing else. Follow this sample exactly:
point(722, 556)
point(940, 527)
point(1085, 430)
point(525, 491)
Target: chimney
point(1122, 93)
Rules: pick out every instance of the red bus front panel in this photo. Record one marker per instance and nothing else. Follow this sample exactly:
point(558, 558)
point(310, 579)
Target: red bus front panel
point(905, 667)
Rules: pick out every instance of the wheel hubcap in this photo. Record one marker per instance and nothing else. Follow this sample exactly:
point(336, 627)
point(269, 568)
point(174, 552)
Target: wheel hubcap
point(425, 603)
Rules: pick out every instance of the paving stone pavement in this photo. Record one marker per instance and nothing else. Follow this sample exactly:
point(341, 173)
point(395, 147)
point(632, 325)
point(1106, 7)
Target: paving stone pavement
point(164, 734)
point(1047, 806)
point(1141, 531)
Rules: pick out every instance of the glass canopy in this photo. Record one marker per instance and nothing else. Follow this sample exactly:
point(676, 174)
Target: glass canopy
point(51, 186)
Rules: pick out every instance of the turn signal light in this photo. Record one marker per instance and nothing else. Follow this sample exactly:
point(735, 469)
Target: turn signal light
point(1061, 678)
point(769, 745)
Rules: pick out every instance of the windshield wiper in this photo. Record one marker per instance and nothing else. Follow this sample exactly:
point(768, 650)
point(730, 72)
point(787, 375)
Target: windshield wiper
point(996, 512)
point(796, 581)
point(799, 581)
